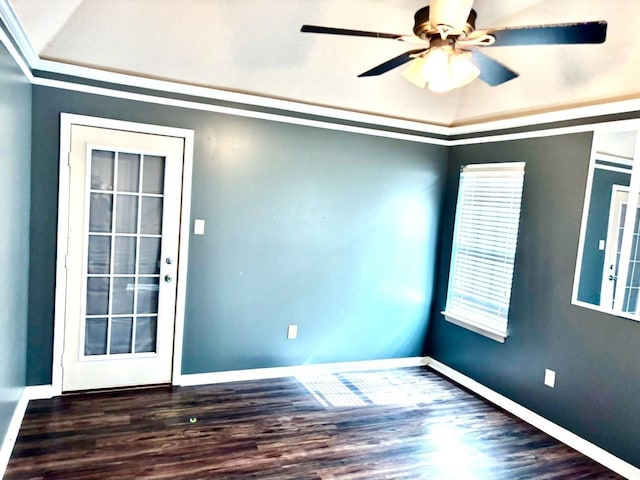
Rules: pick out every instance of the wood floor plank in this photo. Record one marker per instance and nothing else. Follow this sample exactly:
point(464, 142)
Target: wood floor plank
point(392, 424)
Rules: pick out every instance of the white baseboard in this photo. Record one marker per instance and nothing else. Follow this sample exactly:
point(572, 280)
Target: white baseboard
point(39, 392)
point(298, 370)
point(12, 432)
point(565, 436)
point(29, 393)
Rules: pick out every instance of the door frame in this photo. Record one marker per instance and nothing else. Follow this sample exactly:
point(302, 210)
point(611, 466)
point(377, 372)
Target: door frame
point(67, 120)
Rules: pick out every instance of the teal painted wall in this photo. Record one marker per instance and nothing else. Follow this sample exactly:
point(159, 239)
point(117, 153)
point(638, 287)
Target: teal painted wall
point(595, 356)
point(333, 231)
point(15, 148)
point(319, 228)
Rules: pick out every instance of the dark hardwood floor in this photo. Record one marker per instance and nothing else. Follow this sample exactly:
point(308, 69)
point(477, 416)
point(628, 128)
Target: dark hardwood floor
point(394, 424)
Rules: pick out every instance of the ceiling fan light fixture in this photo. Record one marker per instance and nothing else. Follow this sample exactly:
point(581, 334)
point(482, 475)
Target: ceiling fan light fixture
point(463, 71)
point(413, 72)
point(445, 69)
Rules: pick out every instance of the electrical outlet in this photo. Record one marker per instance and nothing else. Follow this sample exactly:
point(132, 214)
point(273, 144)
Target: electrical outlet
point(292, 332)
point(549, 378)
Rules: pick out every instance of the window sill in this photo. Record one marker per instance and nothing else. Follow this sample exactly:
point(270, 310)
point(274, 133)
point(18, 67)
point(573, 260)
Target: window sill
point(493, 335)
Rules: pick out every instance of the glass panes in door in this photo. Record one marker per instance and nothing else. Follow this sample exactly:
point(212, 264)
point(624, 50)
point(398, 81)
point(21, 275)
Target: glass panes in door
point(632, 288)
point(125, 197)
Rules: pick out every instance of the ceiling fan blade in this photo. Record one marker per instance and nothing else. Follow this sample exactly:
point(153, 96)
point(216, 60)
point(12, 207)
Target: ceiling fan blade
point(393, 63)
point(492, 72)
point(560, 34)
point(346, 31)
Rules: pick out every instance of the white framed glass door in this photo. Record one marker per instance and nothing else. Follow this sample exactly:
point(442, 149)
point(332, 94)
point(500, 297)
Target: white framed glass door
point(622, 296)
point(617, 214)
point(125, 192)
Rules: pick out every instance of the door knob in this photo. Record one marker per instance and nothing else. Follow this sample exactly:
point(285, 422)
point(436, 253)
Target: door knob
point(168, 278)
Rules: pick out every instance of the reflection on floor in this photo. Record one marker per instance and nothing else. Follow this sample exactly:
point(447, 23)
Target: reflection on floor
point(368, 388)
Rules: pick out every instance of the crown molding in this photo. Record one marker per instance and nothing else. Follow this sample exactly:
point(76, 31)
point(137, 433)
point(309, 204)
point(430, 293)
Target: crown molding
point(591, 111)
point(14, 28)
point(205, 93)
point(235, 97)
point(17, 32)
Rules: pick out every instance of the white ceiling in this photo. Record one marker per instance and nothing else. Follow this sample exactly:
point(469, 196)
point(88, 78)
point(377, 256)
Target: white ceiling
point(255, 46)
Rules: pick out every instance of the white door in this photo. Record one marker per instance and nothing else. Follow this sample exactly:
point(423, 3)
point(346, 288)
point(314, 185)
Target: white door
point(625, 299)
point(617, 212)
point(121, 264)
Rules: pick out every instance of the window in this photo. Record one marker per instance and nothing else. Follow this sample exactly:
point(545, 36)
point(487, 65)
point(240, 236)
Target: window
point(484, 247)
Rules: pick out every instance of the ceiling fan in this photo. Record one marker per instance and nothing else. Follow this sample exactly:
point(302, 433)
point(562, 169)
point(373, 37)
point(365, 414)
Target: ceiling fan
point(448, 56)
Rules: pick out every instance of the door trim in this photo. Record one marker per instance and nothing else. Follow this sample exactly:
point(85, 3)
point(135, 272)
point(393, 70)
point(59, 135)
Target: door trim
point(66, 122)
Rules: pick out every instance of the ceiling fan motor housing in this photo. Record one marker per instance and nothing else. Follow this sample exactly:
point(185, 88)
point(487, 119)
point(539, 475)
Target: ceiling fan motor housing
point(423, 29)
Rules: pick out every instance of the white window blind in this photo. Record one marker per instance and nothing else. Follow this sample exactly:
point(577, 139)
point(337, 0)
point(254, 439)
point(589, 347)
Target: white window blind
point(484, 247)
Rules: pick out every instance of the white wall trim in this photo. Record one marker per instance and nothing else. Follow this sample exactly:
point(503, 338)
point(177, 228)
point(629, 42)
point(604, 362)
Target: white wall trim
point(7, 13)
point(273, 117)
point(66, 122)
point(588, 127)
point(239, 112)
point(12, 432)
point(28, 393)
point(565, 436)
point(228, 96)
point(183, 255)
point(615, 125)
point(525, 121)
point(297, 370)
point(17, 32)
point(607, 108)
point(60, 291)
point(550, 132)
point(38, 392)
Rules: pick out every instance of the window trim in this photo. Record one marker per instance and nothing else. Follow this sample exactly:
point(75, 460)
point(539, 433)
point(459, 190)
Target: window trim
point(461, 322)
point(455, 317)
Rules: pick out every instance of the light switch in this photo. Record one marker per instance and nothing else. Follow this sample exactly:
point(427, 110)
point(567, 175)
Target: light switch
point(549, 378)
point(198, 227)
point(292, 332)
point(601, 244)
